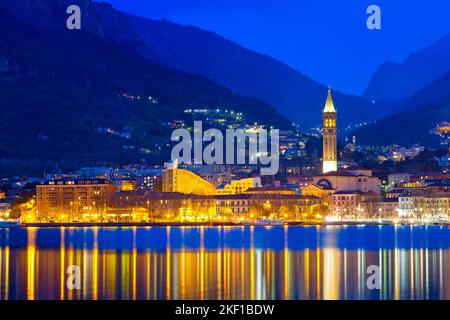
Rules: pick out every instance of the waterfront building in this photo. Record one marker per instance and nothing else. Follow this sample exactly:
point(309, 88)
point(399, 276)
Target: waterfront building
point(425, 205)
point(276, 203)
point(184, 181)
point(329, 135)
point(169, 206)
point(5, 209)
point(348, 204)
point(323, 192)
point(73, 200)
point(379, 208)
point(271, 190)
point(264, 204)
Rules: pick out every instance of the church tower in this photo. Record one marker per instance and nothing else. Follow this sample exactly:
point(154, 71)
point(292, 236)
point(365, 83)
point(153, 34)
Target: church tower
point(329, 158)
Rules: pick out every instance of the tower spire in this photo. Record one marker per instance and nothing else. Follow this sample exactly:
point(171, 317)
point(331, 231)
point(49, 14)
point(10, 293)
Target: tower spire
point(329, 132)
point(329, 105)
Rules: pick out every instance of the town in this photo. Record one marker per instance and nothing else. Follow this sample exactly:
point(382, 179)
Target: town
point(336, 190)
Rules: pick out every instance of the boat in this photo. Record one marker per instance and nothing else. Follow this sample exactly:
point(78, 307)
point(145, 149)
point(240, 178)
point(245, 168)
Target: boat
point(265, 222)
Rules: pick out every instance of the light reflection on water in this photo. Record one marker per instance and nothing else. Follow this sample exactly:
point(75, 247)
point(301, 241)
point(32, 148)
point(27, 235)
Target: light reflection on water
point(225, 262)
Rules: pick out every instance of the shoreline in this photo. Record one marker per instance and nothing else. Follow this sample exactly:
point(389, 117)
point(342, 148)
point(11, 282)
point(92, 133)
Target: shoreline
point(218, 224)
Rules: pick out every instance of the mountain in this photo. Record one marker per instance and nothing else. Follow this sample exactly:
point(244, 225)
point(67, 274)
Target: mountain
point(396, 81)
point(51, 15)
point(421, 113)
point(193, 50)
point(79, 98)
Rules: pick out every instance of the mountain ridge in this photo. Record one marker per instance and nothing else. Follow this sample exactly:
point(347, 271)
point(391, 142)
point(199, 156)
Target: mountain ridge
point(197, 51)
point(396, 81)
point(60, 87)
point(420, 113)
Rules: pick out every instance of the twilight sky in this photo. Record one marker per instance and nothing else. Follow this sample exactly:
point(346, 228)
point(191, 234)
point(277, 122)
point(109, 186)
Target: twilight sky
point(326, 39)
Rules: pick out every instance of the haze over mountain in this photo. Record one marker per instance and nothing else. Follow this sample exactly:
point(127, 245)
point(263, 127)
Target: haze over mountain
point(59, 89)
point(396, 81)
point(421, 113)
point(193, 50)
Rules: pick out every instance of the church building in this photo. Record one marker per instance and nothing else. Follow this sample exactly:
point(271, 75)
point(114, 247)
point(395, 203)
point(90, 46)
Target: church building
point(349, 182)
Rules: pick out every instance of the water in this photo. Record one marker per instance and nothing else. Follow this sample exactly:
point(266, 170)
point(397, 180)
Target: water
point(328, 262)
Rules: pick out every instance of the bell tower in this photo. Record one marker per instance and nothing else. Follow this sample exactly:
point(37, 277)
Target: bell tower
point(329, 115)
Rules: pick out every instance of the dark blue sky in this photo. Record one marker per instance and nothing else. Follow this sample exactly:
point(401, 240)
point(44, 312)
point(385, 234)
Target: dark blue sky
point(326, 39)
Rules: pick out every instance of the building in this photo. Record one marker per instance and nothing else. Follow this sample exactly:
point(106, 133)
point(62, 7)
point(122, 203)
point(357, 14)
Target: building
point(148, 181)
point(380, 208)
point(238, 186)
point(271, 190)
point(73, 200)
point(5, 209)
point(216, 178)
point(125, 184)
point(300, 180)
point(329, 135)
point(184, 181)
point(187, 182)
point(322, 192)
point(395, 179)
point(429, 176)
point(265, 204)
point(348, 204)
point(424, 205)
point(401, 154)
point(439, 186)
point(151, 206)
point(349, 179)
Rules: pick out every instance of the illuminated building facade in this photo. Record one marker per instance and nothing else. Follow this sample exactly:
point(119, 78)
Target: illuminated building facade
point(184, 181)
point(5, 209)
point(323, 192)
point(379, 208)
point(148, 182)
point(424, 205)
point(349, 179)
point(329, 132)
point(251, 206)
point(168, 206)
point(300, 180)
point(238, 186)
point(348, 204)
point(73, 200)
point(164, 206)
point(395, 179)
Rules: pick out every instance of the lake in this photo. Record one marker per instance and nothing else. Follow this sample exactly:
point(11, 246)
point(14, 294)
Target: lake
point(295, 262)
